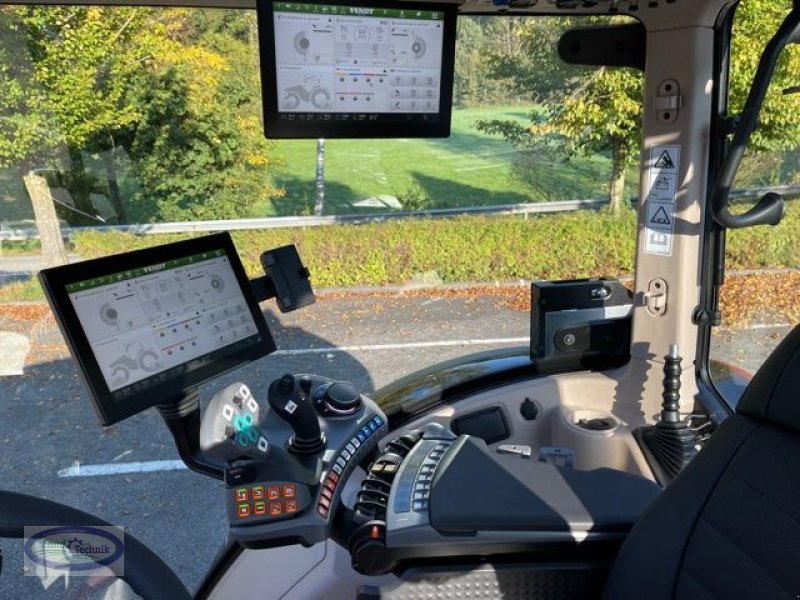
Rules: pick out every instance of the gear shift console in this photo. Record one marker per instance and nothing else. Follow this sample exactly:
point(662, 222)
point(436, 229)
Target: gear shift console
point(293, 405)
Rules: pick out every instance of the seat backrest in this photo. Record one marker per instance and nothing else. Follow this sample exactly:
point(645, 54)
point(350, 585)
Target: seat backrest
point(729, 525)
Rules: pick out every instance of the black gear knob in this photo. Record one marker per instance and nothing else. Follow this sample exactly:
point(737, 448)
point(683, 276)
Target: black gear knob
point(293, 406)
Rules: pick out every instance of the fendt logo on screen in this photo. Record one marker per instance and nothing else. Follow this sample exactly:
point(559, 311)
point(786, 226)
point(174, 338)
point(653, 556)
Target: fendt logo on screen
point(152, 268)
point(360, 11)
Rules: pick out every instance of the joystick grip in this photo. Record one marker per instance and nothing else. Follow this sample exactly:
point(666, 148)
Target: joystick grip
point(295, 407)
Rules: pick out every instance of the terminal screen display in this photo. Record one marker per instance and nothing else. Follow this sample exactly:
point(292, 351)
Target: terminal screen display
point(147, 325)
point(361, 71)
point(162, 320)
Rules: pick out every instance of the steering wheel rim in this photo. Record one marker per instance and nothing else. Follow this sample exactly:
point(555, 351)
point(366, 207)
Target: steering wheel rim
point(146, 574)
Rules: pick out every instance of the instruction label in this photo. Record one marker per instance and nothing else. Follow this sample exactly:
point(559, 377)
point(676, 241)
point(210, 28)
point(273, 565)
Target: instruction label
point(665, 166)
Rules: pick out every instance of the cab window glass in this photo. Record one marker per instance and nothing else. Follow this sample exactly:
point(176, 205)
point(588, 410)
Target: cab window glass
point(759, 300)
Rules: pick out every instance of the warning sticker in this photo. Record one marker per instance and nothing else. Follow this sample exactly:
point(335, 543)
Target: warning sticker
point(664, 170)
point(659, 216)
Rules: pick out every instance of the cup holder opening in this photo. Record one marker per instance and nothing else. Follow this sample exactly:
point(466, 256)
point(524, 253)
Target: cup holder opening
point(592, 421)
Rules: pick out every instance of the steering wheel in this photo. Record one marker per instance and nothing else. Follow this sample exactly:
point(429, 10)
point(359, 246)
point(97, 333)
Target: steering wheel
point(146, 574)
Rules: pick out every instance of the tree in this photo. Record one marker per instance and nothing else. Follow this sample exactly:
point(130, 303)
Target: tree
point(61, 85)
point(165, 101)
point(590, 111)
point(199, 149)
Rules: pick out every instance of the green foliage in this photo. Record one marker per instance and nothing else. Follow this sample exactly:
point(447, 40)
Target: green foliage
point(779, 122)
point(480, 43)
point(599, 111)
point(414, 198)
point(166, 102)
point(466, 249)
point(473, 249)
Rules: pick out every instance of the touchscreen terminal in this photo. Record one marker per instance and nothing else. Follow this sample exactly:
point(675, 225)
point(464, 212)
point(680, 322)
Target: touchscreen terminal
point(145, 326)
point(367, 69)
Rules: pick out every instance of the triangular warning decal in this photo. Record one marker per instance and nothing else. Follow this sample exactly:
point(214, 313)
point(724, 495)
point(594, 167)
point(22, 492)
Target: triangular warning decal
point(661, 217)
point(665, 161)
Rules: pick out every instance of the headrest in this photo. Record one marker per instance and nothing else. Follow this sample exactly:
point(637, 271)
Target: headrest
point(774, 393)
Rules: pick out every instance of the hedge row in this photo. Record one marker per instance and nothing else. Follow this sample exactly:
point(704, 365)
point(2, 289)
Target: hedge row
point(465, 249)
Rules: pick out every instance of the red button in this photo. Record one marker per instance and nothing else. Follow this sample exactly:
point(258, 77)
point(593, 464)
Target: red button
point(275, 509)
point(260, 508)
point(322, 511)
point(326, 493)
point(273, 492)
point(243, 510)
point(257, 491)
point(330, 485)
point(325, 502)
point(240, 495)
point(288, 490)
point(291, 506)
point(333, 477)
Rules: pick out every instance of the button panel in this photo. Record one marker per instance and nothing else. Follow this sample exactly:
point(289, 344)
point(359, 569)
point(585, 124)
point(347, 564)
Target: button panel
point(348, 457)
point(267, 501)
point(414, 489)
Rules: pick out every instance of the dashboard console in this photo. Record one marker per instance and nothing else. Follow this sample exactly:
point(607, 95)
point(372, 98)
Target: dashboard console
point(452, 496)
point(280, 489)
point(146, 327)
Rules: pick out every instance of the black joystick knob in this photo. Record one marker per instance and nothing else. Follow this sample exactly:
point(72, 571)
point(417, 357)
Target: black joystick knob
point(294, 407)
point(339, 400)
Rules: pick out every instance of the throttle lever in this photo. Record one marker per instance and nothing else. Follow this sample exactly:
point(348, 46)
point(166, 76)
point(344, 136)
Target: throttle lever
point(293, 406)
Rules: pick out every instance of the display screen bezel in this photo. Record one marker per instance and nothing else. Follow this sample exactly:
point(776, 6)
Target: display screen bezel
point(276, 127)
point(110, 409)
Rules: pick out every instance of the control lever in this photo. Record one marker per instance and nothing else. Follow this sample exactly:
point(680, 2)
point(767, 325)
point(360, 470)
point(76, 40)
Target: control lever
point(289, 402)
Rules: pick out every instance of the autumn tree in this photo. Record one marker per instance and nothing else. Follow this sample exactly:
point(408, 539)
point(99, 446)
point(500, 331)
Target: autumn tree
point(165, 100)
point(586, 111)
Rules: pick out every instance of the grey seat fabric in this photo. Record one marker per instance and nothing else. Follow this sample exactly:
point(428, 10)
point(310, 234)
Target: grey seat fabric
point(729, 525)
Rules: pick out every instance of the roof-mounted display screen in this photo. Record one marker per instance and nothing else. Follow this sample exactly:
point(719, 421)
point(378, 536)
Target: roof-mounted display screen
point(380, 69)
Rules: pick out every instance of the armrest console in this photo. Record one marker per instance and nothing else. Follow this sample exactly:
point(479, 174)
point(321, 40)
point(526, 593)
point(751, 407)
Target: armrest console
point(451, 496)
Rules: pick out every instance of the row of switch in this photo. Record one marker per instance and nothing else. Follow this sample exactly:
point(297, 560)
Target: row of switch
point(262, 492)
point(260, 508)
point(339, 466)
point(422, 483)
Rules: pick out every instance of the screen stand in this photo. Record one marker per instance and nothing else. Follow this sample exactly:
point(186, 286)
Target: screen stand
point(182, 417)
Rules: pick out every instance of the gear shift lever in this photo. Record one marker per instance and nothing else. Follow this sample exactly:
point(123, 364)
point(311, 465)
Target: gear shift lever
point(293, 406)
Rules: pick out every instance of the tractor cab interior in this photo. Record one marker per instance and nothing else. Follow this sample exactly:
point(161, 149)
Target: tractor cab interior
point(601, 460)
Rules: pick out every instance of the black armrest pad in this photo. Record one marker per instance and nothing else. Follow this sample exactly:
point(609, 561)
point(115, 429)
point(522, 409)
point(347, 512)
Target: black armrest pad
point(475, 489)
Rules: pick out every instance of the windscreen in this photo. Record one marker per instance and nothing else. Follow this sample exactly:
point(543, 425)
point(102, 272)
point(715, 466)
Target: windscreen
point(336, 66)
point(157, 322)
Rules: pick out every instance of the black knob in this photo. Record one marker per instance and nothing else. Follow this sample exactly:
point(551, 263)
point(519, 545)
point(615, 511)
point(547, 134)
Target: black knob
point(287, 383)
point(341, 399)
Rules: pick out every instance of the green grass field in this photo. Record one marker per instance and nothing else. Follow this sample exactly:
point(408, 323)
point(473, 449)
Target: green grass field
point(469, 168)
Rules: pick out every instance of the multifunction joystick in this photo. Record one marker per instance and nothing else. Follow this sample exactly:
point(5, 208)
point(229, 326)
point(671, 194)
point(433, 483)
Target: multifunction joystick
point(291, 404)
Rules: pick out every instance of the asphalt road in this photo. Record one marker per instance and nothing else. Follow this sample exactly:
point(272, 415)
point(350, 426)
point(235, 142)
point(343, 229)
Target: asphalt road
point(47, 424)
